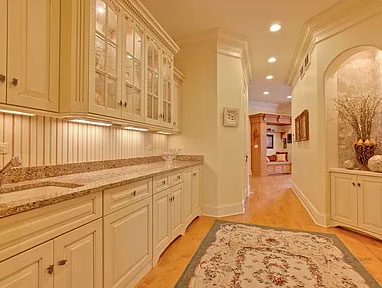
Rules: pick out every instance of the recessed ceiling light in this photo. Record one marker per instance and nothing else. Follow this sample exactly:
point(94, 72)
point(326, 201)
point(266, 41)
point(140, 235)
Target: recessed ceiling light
point(289, 97)
point(136, 129)
point(269, 77)
point(266, 93)
point(16, 112)
point(82, 121)
point(275, 28)
point(164, 133)
point(272, 60)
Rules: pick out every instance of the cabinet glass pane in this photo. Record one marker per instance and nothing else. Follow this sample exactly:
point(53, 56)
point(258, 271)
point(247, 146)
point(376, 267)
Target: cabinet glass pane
point(150, 56)
point(169, 113)
point(155, 108)
point(137, 75)
point(137, 102)
point(164, 68)
point(112, 60)
point(129, 99)
point(155, 85)
point(164, 111)
point(129, 37)
point(138, 46)
point(111, 93)
point(99, 53)
point(165, 90)
point(112, 25)
point(101, 17)
point(99, 89)
point(149, 106)
point(150, 82)
point(156, 60)
point(169, 91)
point(129, 69)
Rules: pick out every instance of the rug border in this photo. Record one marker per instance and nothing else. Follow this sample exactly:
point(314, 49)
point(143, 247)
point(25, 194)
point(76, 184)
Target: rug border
point(210, 237)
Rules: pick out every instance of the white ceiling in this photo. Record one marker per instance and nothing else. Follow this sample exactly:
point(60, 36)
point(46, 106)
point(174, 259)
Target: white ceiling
point(251, 18)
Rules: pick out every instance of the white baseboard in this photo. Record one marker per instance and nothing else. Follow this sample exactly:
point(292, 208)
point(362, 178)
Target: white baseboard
point(321, 219)
point(223, 210)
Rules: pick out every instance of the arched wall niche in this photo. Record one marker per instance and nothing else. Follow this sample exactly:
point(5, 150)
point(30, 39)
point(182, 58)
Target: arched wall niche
point(355, 72)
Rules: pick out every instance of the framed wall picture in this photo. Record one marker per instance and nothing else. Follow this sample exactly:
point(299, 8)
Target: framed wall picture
point(231, 117)
point(270, 141)
point(297, 129)
point(302, 126)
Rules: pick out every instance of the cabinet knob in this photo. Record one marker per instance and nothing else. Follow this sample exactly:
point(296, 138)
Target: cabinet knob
point(359, 184)
point(15, 81)
point(194, 174)
point(353, 184)
point(164, 182)
point(125, 104)
point(50, 269)
point(135, 193)
point(120, 103)
point(2, 78)
point(62, 262)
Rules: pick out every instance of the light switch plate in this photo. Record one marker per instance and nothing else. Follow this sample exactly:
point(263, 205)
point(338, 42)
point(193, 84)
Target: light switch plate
point(3, 147)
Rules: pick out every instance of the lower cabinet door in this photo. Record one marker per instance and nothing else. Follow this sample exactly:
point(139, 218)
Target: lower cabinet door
point(177, 210)
point(78, 257)
point(161, 220)
point(343, 204)
point(196, 195)
point(128, 244)
point(370, 204)
point(187, 197)
point(32, 269)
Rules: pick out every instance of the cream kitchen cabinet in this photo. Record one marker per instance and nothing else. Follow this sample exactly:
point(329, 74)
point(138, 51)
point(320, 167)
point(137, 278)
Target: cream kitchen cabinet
point(176, 107)
point(29, 53)
point(356, 200)
point(128, 244)
point(192, 195)
point(33, 268)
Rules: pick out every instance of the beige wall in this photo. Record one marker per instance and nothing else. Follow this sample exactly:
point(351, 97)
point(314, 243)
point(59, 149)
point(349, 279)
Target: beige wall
point(213, 81)
point(311, 159)
point(47, 141)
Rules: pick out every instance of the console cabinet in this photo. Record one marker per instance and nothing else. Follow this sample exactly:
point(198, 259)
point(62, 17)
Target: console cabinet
point(356, 200)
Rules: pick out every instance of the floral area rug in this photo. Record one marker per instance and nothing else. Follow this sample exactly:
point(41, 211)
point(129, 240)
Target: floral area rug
point(241, 255)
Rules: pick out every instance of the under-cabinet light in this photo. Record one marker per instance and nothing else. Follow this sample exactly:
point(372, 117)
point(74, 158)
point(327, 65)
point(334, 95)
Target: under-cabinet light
point(17, 113)
point(82, 121)
point(289, 97)
point(136, 129)
point(164, 133)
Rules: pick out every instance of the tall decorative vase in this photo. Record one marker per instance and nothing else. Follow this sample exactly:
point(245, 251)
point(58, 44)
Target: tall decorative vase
point(364, 152)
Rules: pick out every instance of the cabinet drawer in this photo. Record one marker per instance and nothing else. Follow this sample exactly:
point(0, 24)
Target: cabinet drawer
point(120, 197)
point(176, 178)
point(270, 169)
point(25, 230)
point(161, 183)
point(278, 169)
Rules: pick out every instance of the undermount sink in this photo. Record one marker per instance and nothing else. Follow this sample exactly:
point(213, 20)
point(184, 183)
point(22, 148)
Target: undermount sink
point(38, 191)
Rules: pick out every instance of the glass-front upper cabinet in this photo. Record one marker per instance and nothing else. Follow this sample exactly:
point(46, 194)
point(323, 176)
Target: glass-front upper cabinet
point(132, 70)
point(106, 99)
point(152, 82)
point(167, 90)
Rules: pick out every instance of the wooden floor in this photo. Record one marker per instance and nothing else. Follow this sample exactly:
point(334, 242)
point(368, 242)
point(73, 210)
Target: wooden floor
point(271, 203)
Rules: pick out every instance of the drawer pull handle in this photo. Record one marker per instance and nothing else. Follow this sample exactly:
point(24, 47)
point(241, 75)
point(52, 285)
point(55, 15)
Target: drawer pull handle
point(359, 184)
point(15, 81)
point(135, 193)
point(62, 262)
point(2, 78)
point(195, 174)
point(164, 182)
point(353, 184)
point(50, 269)
point(179, 177)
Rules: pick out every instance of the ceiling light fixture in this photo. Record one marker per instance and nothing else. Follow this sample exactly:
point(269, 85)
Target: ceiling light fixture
point(136, 129)
point(272, 60)
point(289, 97)
point(164, 133)
point(16, 113)
point(269, 77)
point(275, 28)
point(82, 121)
point(266, 93)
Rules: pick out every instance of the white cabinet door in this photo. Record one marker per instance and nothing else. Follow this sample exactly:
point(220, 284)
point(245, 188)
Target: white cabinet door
point(78, 257)
point(344, 198)
point(161, 220)
point(127, 244)
point(3, 50)
point(33, 53)
point(105, 58)
point(187, 197)
point(370, 204)
point(32, 269)
point(167, 99)
point(176, 107)
point(176, 210)
point(196, 191)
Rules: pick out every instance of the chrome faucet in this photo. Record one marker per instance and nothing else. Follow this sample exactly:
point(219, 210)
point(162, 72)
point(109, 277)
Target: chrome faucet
point(14, 162)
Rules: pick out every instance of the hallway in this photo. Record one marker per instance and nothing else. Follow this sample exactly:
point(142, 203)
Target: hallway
point(271, 203)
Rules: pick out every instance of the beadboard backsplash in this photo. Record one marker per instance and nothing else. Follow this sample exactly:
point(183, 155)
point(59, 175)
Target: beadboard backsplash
point(43, 140)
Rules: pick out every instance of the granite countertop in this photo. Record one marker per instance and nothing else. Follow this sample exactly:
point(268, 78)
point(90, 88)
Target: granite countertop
point(14, 201)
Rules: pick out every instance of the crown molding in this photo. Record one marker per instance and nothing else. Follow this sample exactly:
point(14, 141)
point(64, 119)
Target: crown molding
point(179, 76)
point(326, 24)
point(145, 17)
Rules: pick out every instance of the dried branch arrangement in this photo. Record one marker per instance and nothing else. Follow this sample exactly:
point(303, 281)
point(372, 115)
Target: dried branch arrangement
point(359, 113)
